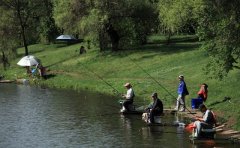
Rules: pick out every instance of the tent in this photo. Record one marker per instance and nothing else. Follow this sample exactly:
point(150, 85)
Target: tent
point(66, 37)
point(69, 39)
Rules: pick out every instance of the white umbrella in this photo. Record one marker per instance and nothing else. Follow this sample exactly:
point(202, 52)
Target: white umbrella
point(28, 61)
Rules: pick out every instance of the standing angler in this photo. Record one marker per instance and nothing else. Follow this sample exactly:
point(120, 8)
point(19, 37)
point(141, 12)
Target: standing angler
point(182, 92)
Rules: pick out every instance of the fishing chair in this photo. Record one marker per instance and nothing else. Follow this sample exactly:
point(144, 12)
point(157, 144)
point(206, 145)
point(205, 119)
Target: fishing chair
point(206, 133)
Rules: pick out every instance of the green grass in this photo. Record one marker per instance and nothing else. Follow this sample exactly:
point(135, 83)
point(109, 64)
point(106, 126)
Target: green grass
point(162, 62)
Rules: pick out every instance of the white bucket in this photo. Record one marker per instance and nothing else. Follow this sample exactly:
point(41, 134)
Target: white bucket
point(157, 119)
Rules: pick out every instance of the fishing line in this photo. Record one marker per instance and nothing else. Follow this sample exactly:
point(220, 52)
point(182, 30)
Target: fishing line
point(115, 90)
point(150, 76)
point(156, 81)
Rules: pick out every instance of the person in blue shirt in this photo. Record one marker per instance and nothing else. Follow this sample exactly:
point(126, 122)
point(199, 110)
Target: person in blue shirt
point(182, 92)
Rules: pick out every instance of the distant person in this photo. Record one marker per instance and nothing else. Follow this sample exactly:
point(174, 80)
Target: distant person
point(29, 72)
point(155, 108)
point(207, 121)
point(128, 97)
point(34, 71)
point(41, 71)
point(82, 50)
point(182, 92)
point(203, 92)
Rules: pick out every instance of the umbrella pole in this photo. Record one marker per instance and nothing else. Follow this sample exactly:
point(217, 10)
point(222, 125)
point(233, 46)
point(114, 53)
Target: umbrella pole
point(28, 69)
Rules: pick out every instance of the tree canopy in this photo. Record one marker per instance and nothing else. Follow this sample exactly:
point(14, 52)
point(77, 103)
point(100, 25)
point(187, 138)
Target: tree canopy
point(123, 24)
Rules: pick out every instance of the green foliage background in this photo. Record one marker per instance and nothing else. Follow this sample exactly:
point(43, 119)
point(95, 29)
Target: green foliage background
point(212, 52)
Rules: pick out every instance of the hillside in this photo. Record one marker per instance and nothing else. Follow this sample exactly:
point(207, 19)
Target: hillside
point(142, 66)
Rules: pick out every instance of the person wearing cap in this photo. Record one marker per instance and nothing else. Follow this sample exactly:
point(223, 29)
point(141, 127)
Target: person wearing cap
point(207, 121)
point(156, 108)
point(182, 92)
point(128, 97)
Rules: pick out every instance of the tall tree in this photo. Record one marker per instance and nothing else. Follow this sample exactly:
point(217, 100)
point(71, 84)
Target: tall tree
point(220, 30)
point(120, 22)
point(175, 15)
point(8, 35)
point(47, 28)
point(25, 12)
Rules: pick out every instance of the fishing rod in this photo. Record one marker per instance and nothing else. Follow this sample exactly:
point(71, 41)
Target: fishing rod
point(157, 82)
point(115, 90)
point(150, 76)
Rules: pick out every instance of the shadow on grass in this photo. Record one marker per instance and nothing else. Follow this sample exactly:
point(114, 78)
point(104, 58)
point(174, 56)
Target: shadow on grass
point(222, 101)
point(171, 48)
point(155, 47)
point(32, 50)
point(72, 57)
point(49, 76)
point(174, 39)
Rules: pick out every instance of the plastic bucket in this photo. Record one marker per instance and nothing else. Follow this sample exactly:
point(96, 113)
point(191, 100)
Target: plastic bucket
point(196, 102)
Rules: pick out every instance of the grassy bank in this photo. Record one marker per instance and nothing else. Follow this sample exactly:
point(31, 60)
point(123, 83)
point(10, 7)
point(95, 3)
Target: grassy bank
point(162, 62)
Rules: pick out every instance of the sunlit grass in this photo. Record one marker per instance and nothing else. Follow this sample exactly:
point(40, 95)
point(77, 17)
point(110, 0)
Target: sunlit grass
point(162, 62)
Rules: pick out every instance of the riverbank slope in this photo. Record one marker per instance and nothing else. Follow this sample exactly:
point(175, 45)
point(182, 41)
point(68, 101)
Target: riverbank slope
point(142, 66)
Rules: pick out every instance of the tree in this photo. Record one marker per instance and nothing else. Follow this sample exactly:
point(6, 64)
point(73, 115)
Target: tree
point(217, 25)
point(47, 29)
point(174, 15)
point(219, 29)
point(122, 23)
point(25, 13)
point(9, 39)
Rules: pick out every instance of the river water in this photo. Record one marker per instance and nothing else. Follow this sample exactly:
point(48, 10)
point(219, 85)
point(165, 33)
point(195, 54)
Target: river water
point(33, 117)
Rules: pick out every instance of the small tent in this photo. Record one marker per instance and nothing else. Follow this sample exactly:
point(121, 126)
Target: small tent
point(69, 39)
point(65, 37)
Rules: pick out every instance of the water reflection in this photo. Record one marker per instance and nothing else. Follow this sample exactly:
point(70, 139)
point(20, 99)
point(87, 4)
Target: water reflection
point(36, 117)
point(149, 131)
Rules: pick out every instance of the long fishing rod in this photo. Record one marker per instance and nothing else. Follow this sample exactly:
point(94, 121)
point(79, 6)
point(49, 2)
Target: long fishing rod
point(157, 82)
point(115, 90)
point(151, 76)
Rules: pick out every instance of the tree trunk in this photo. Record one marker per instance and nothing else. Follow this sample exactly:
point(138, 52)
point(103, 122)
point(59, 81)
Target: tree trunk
point(22, 30)
point(114, 37)
point(101, 42)
point(169, 37)
point(24, 41)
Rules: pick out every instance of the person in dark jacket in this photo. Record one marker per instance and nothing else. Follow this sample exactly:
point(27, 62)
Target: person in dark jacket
point(156, 108)
point(182, 92)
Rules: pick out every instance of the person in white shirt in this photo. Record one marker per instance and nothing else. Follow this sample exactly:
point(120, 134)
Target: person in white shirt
point(207, 121)
point(128, 97)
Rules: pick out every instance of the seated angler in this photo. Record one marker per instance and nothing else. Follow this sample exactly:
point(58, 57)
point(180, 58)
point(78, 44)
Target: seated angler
point(156, 108)
point(128, 98)
point(208, 121)
point(203, 92)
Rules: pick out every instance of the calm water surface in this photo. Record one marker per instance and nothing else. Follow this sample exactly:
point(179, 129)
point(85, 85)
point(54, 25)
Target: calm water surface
point(32, 117)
